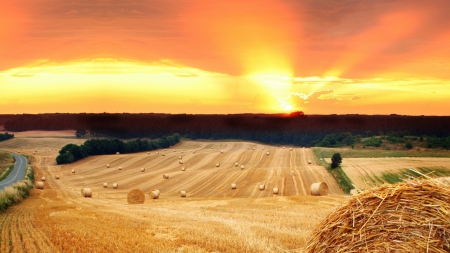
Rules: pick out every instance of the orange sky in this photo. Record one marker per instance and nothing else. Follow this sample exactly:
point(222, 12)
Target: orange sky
point(183, 56)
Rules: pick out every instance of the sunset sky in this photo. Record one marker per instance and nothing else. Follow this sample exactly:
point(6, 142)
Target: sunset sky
point(234, 56)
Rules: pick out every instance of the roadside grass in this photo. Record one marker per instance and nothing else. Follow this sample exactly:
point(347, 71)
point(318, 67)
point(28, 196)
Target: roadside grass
point(17, 192)
point(374, 153)
point(399, 176)
point(338, 173)
point(4, 172)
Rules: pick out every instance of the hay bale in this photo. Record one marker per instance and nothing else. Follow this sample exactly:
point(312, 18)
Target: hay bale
point(275, 190)
point(105, 185)
point(183, 168)
point(154, 194)
point(107, 165)
point(262, 187)
point(309, 161)
point(86, 192)
point(236, 164)
point(180, 157)
point(142, 169)
point(40, 185)
point(163, 154)
point(120, 167)
point(180, 162)
point(242, 167)
point(267, 153)
point(290, 149)
point(283, 147)
point(166, 176)
point(217, 164)
point(319, 189)
point(183, 194)
point(43, 179)
point(57, 176)
point(157, 153)
point(410, 216)
point(233, 186)
point(115, 185)
point(263, 148)
point(73, 171)
point(148, 153)
point(117, 153)
point(136, 196)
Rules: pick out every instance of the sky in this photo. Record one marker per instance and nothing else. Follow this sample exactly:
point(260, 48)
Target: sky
point(225, 57)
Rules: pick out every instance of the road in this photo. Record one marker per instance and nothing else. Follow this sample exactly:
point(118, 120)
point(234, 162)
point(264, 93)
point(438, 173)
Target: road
point(18, 172)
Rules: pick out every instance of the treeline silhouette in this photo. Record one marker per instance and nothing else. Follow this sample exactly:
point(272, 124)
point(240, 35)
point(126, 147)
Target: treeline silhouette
point(6, 136)
point(72, 153)
point(295, 129)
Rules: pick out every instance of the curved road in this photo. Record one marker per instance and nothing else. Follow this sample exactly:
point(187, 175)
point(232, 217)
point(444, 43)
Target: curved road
point(17, 173)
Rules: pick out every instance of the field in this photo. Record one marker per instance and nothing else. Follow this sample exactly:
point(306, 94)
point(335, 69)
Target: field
point(212, 218)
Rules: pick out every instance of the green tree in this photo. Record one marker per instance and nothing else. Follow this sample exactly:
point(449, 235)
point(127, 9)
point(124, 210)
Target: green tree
point(336, 160)
point(80, 133)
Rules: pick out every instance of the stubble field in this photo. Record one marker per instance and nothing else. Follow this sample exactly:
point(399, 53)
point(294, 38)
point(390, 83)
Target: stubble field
point(212, 218)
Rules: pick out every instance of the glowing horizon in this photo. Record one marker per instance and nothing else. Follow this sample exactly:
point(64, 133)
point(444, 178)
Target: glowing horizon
point(236, 57)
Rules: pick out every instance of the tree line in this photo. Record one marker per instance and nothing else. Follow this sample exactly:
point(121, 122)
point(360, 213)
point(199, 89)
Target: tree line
point(72, 153)
point(6, 136)
point(284, 129)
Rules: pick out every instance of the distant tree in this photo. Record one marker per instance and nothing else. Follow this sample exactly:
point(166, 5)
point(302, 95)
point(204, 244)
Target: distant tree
point(336, 160)
point(80, 133)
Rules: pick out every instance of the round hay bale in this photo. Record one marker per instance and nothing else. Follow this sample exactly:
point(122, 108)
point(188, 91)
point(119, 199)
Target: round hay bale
point(163, 154)
point(120, 167)
point(183, 194)
point(57, 176)
point(217, 164)
point(166, 176)
point(86, 192)
point(107, 165)
point(105, 185)
point(253, 148)
point(267, 153)
point(262, 187)
point(180, 157)
point(73, 171)
point(136, 196)
point(236, 164)
point(242, 167)
point(309, 161)
point(117, 153)
point(157, 153)
point(233, 186)
point(410, 216)
point(142, 169)
point(154, 194)
point(148, 153)
point(275, 190)
point(180, 162)
point(290, 149)
point(283, 147)
point(43, 179)
point(174, 150)
point(40, 185)
point(165, 149)
point(115, 185)
point(263, 148)
point(183, 169)
point(319, 189)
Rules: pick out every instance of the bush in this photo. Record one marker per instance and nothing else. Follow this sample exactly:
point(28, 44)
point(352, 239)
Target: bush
point(336, 160)
point(408, 145)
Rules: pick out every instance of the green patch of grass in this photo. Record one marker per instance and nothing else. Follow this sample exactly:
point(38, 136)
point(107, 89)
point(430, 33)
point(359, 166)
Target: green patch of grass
point(375, 153)
point(338, 173)
point(402, 174)
point(7, 172)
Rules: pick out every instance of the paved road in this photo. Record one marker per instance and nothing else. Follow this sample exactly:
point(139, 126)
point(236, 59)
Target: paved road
point(17, 173)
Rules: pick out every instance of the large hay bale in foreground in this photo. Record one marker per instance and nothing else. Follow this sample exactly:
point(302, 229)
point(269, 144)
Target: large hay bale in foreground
point(319, 189)
point(86, 192)
point(136, 196)
point(411, 216)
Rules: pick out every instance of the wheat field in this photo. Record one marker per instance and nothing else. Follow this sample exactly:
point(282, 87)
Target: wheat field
point(212, 218)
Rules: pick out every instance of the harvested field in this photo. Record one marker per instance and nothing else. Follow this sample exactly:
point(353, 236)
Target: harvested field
point(213, 217)
point(370, 172)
